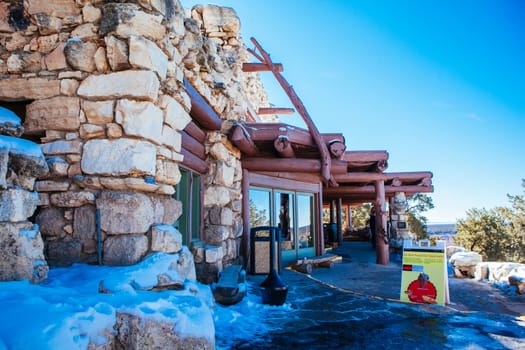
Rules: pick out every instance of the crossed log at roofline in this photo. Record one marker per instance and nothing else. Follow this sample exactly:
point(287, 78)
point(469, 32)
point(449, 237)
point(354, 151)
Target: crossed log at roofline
point(265, 60)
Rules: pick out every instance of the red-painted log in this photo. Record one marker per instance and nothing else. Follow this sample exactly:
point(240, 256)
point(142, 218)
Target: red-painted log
point(259, 67)
point(241, 138)
point(194, 131)
point(337, 149)
point(273, 110)
point(343, 190)
point(193, 146)
point(193, 162)
point(299, 106)
point(284, 147)
point(201, 111)
point(363, 177)
point(365, 156)
point(292, 165)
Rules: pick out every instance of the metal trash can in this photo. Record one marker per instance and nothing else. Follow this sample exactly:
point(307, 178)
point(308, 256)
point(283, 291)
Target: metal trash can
point(330, 232)
point(261, 238)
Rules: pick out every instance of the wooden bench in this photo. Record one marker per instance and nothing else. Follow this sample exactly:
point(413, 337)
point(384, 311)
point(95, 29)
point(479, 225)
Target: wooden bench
point(305, 265)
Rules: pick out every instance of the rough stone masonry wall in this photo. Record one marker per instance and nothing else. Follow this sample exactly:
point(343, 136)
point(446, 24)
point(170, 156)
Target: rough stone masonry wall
point(21, 245)
point(104, 86)
point(213, 64)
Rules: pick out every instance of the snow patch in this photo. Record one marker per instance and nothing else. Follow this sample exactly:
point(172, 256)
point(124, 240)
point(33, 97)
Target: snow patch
point(20, 146)
point(9, 117)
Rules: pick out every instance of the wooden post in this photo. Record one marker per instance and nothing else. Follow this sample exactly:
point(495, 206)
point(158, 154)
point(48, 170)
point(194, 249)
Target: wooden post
point(340, 221)
point(350, 226)
point(245, 240)
point(382, 247)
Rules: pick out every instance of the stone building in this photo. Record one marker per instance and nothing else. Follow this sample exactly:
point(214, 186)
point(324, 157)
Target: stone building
point(148, 116)
point(103, 89)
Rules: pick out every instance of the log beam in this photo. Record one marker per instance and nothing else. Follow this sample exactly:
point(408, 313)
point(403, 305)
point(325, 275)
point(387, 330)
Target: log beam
point(339, 167)
point(360, 190)
point(273, 110)
point(194, 131)
point(267, 132)
point(201, 111)
point(260, 67)
point(361, 177)
point(241, 138)
point(284, 147)
point(193, 162)
point(193, 146)
point(292, 165)
point(365, 156)
point(337, 148)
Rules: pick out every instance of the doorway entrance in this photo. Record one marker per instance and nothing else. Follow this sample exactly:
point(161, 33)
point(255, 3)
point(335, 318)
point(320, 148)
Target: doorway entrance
point(293, 213)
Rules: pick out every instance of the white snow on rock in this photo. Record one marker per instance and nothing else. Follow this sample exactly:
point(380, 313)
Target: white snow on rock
point(20, 146)
point(9, 117)
point(68, 312)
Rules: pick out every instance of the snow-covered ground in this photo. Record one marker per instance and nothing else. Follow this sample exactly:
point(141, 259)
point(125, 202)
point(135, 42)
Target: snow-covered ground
point(67, 311)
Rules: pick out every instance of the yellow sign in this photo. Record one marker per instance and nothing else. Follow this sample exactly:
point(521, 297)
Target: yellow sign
point(424, 277)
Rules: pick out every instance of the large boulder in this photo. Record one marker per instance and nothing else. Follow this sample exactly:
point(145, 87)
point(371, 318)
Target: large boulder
point(165, 239)
point(498, 271)
point(464, 263)
point(17, 204)
point(119, 157)
point(124, 213)
point(136, 332)
point(124, 250)
point(452, 249)
point(22, 253)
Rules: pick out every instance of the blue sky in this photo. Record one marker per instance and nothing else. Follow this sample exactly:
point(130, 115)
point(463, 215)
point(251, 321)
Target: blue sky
point(440, 85)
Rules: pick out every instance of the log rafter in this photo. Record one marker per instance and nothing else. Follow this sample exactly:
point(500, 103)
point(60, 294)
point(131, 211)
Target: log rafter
point(201, 111)
point(351, 191)
point(261, 67)
point(275, 110)
point(399, 178)
point(265, 59)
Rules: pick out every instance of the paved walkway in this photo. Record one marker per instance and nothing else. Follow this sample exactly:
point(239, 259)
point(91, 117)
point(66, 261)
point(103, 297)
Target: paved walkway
point(359, 273)
point(355, 305)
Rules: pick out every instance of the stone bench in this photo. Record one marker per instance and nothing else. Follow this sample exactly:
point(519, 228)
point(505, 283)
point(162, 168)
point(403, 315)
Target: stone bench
point(231, 287)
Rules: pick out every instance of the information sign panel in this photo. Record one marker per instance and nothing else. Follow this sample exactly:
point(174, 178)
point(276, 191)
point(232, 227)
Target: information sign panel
point(424, 276)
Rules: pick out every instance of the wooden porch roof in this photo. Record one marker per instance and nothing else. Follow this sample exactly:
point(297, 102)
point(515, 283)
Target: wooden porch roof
point(279, 147)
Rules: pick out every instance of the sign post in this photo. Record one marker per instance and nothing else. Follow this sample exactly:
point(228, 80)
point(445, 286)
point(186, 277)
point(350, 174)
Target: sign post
point(424, 278)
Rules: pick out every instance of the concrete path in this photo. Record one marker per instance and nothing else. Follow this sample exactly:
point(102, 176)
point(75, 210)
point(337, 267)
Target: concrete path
point(359, 273)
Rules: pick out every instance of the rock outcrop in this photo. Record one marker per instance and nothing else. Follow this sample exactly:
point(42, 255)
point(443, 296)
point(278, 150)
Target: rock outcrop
point(464, 263)
point(21, 163)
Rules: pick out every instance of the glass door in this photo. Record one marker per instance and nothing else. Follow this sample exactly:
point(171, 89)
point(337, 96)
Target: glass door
point(285, 218)
point(305, 225)
point(293, 213)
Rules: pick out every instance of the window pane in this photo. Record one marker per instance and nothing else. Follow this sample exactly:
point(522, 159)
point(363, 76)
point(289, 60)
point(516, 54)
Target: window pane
point(305, 220)
point(196, 207)
point(259, 207)
point(284, 204)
